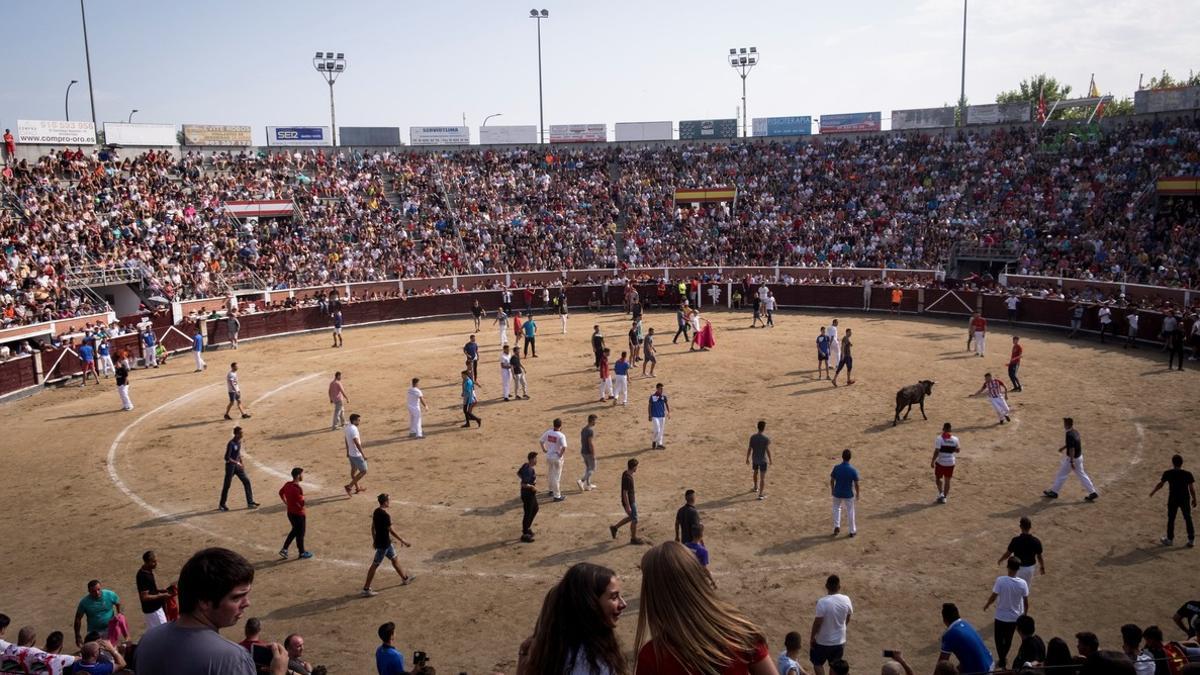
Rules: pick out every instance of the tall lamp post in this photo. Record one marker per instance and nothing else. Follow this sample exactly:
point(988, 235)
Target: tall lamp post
point(67, 100)
point(87, 53)
point(539, 15)
point(130, 120)
point(962, 86)
point(330, 67)
point(743, 60)
point(485, 120)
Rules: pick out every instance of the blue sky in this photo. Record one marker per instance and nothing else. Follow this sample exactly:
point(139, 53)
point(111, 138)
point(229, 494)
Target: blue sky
point(249, 62)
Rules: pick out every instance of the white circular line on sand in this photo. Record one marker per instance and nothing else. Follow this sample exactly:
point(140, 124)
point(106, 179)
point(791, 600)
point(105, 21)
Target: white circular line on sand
point(284, 475)
point(166, 517)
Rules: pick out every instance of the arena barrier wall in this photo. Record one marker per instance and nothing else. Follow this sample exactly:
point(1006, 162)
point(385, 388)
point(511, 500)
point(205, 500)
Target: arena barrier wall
point(53, 365)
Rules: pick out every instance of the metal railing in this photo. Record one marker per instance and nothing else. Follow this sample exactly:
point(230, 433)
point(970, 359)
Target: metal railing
point(89, 275)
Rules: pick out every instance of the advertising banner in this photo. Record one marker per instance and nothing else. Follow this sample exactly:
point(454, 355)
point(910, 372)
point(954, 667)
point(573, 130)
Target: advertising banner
point(508, 135)
point(706, 129)
point(848, 123)
point(923, 118)
point(999, 113)
point(644, 131)
point(216, 134)
point(578, 133)
point(370, 136)
point(439, 135)
point(120, 133)
point(299, 136)
point(1165, 100)
point(781, 126)
point(54, 132)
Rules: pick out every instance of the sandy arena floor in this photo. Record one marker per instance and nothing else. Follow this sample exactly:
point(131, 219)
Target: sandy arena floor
point(91, 487)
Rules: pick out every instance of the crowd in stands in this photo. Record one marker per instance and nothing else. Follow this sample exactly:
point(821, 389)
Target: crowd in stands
point(684, 626)
point(1085, 207)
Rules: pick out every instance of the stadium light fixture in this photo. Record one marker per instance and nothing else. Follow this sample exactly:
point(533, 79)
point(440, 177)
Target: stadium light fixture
point(539, 15)
point(743, 60)
point(130, 120)
point(329, 67)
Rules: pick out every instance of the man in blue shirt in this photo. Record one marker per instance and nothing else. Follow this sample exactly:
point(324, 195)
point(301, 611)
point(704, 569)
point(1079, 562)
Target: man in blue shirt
point(198, 349)
point(658, 411)
point(337, 329)
point(149, 358)
point(87, 354)
point(843, 483)
point(530, 329)
point(963, 642)
point(388, 659)
point(235, 467)
point(468, 399)
point(471, 351)
point(823, 353)
point(621, 380)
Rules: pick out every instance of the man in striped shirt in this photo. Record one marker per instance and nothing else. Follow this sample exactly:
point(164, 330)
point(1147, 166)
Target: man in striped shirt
point(997, 395)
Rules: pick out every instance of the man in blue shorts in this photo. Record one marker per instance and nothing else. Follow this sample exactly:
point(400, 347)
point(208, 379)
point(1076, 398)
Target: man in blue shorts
point(87, 354)
point(337, 329)
point(822, 353)
point(381, 538)
point(962, 641)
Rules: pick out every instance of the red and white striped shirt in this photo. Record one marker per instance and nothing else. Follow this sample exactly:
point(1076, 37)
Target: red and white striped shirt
point(994, 388)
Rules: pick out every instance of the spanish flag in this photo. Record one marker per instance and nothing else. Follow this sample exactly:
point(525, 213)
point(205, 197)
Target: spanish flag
point(1094, 92)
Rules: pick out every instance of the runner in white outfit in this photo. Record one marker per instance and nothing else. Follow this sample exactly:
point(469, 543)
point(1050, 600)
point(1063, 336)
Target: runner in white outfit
point(416, 403)
point(505, 372)
point(835, 345)
point(554, 444)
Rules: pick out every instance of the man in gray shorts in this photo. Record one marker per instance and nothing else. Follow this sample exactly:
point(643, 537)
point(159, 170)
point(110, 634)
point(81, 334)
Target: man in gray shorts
point(758, 454)
point(358, 459)
point(587, 448)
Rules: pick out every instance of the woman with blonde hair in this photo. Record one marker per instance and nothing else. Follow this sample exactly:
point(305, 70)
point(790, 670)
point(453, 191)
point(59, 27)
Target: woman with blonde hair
point(684, 628)
point(575, 632)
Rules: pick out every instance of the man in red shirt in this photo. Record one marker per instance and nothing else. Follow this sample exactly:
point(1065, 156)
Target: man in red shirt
point(1014, 362)
point(979, 331)
point(293, 497)
point(606, 382)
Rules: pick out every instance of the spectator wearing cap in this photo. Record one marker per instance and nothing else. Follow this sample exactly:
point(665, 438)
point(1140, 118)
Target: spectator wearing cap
point(388, 659)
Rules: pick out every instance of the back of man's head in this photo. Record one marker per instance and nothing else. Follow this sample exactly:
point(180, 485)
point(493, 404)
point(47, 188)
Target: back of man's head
point(1026, 625)
point(791, 641)
point(54, 642)
point(253, 627)
point(833, 583)
point(209, 575)
point(1153, 634)
point(1131, 635)
point(4, 621)
point(27, 636)
point(949, 613)
point(839, 667)
point(945, 668)
point(387, 631)
point(891, 668)
point(90, 652)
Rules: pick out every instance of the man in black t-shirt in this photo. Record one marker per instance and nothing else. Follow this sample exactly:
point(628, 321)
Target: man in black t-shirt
point(629, 504)
point(151, 596)
point(235, 467)
point(381, 538)
point(1181, 496)
point(1187, 618)
point(759, 451)
point(687, 518)
point(1027, 549)
point(529, 503)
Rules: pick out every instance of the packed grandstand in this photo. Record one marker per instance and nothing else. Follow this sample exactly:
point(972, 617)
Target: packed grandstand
point(1068, 205)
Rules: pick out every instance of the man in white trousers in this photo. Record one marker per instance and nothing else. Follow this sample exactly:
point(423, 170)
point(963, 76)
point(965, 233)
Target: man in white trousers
point(621, 380)
point(554, 444)
point(339, 399)
point(843, 485)
point(416, 404)
point(505, 372)
point(835, 345)
point(149, 343)
point(198, 349)
point(1072, 461)
point(997, 394)
point(104, 354)
point(562, 310)
point(658, 410)
point(979, 332)
point(122, 375)
point(606, 383)
point(502, 320)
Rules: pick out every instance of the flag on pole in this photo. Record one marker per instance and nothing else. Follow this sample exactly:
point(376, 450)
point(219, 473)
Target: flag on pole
point(1041, 107)
point(1094, 92)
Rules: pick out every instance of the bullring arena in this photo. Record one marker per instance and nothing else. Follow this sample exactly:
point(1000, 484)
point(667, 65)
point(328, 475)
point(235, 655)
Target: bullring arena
point(91, 487)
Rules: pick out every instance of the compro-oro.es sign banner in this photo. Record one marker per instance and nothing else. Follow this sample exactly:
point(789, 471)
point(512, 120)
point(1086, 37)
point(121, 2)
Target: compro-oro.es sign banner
point(923, 118)
point(849, 123)
point(216, 134)
point(439, 135)
point(644, 131)
point(120, 133)
point(781, 126)
point(299, 136)
point(705, 129)
point(578, 133)
point(508, 134)
point(999, 113)
point(54, 132)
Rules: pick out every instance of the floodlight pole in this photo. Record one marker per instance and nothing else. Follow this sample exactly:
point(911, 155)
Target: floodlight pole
point(962, 87)
point(743, 62)
point(329, 68)
point(539, 15)
point(67, 101)
point(332, 116)
point(87, 53)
